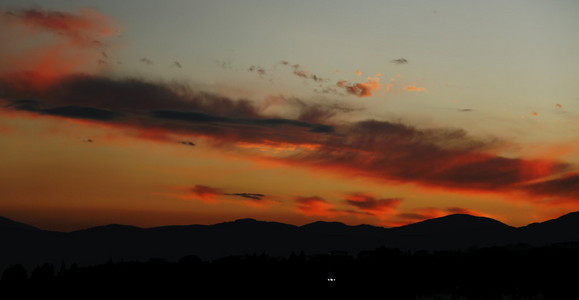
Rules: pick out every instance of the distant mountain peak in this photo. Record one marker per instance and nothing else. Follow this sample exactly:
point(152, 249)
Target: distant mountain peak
point(457, 222)
point(247, 220)
point(253, 224)
point(325, 224)
point(570, 216)
point(570, 219)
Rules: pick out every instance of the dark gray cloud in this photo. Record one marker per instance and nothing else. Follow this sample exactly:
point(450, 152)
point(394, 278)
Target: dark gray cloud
point(390, 151)
point(187, 143)
point(372, 205)
point(196, 117)
point(82, 112)
point(251, 196)
point(399, 61)
point(146, 61)
point(566, 186)
point(259, 70)
point(300, 72)
point(436, 157)
point(70, 111)
point(24, 104)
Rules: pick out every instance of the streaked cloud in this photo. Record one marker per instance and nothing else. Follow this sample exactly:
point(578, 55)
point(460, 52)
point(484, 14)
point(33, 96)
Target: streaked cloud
point(146, 61)
point(83, 27)
point(252, 196)
point(53, 44)
point(413, 88)
point(399, 61)
point(206, 193)
point(299, 71)
point(379, 207)
point(393, 152)
point(314, 206)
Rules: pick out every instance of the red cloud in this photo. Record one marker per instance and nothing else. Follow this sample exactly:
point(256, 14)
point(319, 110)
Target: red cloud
point(47, 45)
point(393, 152)
point(314, 206)
point(444, 158)
point(82, 28)
point(565, 186)
point(214, 195)
point(206, 193)
point(371, 205)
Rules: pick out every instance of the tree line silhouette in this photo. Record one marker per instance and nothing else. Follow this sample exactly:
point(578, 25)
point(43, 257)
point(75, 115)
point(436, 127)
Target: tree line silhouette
point(520, 271)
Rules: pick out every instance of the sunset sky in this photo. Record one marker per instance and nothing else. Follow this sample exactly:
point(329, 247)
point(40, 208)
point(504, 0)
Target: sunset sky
point(154, 113)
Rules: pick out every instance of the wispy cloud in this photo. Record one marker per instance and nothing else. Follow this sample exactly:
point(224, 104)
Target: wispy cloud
point(565, 186)
point(252, 196)
point(206, 193)
point(399, 61)
point(82, 27)
point(257, 69)
point(413, 88)
point(217, 195)
point(146, 61)
point(314, 206)
point(301, 72)
point(53, 44)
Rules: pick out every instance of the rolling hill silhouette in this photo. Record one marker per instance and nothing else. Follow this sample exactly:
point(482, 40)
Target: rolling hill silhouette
point(452, 232)
point(6, 223)
point(27, 245)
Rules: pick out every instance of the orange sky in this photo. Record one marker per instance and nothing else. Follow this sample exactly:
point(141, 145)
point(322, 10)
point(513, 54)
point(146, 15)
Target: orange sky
point(85, 142)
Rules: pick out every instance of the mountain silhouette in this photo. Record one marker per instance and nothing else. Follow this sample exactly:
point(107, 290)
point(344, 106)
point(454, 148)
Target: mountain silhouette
point(455, 222)
point(457, 231)
point(6, 223)
point(30, 246)
point(562, 229)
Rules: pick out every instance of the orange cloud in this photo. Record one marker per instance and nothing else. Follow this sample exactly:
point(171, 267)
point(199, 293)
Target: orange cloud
point(413, 88)
point(361, 89)
point(383, 150)
point(206, 193)
point(314, 206)
point(373, 206)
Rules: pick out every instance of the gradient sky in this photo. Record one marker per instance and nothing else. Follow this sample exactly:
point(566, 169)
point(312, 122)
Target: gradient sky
point(196, 112)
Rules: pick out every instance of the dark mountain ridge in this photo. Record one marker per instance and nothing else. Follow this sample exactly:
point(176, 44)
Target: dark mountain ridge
point(6, 223)
point(31, 246)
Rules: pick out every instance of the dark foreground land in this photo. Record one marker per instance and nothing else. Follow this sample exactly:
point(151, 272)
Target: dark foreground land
point(510, 272)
